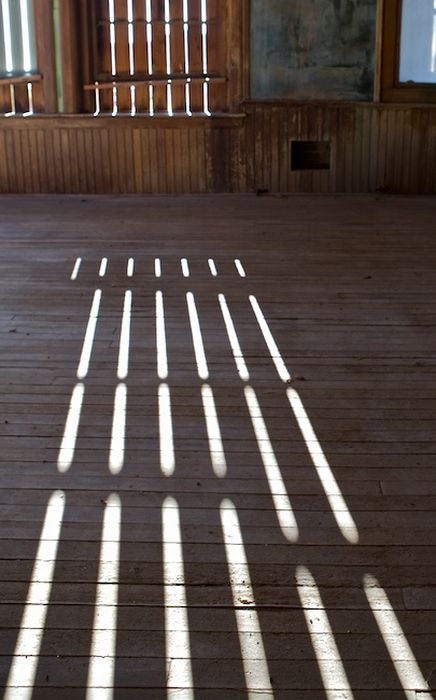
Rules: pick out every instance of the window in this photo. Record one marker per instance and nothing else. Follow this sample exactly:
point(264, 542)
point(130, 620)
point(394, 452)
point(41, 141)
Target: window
point(409, 51)
point(122, 57)
point(18, 62)
point(23, 59)
point(159, 57)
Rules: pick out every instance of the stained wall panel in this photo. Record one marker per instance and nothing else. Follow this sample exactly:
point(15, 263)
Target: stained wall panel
point(384, 148)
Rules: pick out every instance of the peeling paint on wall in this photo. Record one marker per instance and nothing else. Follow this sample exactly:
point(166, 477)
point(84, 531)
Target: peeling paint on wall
point(313, 49)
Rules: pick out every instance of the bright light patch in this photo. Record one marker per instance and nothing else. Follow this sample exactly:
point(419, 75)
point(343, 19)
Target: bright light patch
point(132, 100)
point(116, 455)
point(168, 56)
point(233, 338)
point(157, 268)
point(131, 36)
point(103, 267)
point(123, 354)
point(402, 656)
point(68, 444)
point(97, 101)
point(88, 342)
point(130, 267)
point(327, 654)
point(112, 39)
point(161, 343)
point(185, 267)
point(24, 665)
point(13, 102)
point(331, 488)
point(204, 54)
point(212, 267)
point(149, 38)
point(76, 269)
point(114, 101)
point(25, 36)
point(177, 644)
point(216, 448)
point(101, 670)
point(197, 339)
point(187, 58)
point(166, 441)
point(206, 108)
point(257, 677)
point(271, 343)
point(7, 37)
point(240, 268)
point(30, 111)
point(276, 484)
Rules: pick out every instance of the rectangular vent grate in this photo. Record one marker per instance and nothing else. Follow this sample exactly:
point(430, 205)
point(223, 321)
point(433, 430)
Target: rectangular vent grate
point(310, 155)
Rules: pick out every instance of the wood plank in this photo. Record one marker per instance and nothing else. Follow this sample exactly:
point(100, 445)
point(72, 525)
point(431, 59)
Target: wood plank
point(346, 286)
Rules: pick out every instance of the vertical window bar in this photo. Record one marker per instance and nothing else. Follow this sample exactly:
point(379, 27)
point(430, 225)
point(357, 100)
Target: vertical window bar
point(112, 39)
point(204, 57)
point(148, 17)
point(168, 57)
point(187, 61)
point(131, 42)
point(97, 100)
point(114, 101)
point(13, 102)
point(30, 100)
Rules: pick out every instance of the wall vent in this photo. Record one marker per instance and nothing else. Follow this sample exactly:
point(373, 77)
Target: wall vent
point(310, 155)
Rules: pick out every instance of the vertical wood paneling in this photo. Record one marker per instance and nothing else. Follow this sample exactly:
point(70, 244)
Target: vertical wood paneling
point(4, 169)
point(17, 160)
point(373, 148)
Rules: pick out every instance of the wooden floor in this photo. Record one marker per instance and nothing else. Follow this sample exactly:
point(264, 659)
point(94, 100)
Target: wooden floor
point(228, 531)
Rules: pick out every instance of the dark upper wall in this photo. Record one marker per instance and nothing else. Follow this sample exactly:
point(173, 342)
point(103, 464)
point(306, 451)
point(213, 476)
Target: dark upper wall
point(312, 49)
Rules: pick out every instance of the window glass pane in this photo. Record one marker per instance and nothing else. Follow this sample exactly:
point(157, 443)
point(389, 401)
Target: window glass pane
point(418, 41)
point(17, 37)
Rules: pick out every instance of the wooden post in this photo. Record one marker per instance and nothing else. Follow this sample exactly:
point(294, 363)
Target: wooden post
point(71, 58)
point(44, 32)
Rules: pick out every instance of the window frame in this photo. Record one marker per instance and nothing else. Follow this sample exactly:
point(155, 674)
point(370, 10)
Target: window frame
point(391, 89)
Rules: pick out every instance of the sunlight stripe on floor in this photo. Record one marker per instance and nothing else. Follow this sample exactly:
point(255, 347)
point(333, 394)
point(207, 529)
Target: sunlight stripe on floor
point(257, 677)
point(123, 353)
point(212, 267)
point(402, 656)
point(76, 269)
point(177, 642)
point(166, 440)
point(331, 668)
point(282, 504)
point(103, 267)
point(116, 454)
point(331, 488)
point(233, 339)
point(88, 341)
point(269, 340)
point(240, 268)
point(161, 342)
point(216, 447)
point(69, 439)
point(24, 665)
point(197, 338)
point(101, 670)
